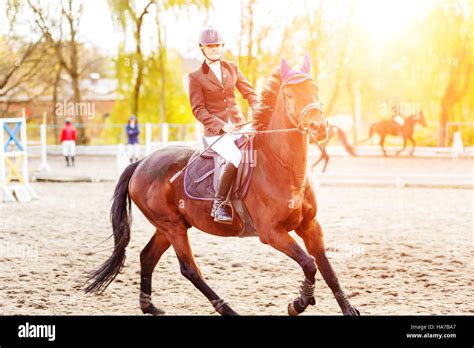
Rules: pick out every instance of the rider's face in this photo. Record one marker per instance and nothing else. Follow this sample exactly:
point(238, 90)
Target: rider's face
point(213, 51)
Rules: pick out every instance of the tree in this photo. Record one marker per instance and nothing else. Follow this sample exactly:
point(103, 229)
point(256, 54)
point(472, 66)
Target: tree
point(17, 65)
point(23, 63)
point(254, 58)
point(333, 53)
point(67, 50)
point(461, 62)
point(131, 75)
point(125, 11)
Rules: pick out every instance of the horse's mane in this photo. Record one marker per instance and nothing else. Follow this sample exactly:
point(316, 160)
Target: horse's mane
point(268, 99)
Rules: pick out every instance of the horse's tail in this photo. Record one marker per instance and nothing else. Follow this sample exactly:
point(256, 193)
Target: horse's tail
point(343, 139)
point(121, 218)
point(371, 133)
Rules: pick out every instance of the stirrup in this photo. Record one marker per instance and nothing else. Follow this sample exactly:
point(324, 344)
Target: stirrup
point(222, 205)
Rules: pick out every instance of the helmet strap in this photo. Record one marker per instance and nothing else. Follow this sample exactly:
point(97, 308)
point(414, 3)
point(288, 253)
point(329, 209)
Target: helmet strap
point(212, 60)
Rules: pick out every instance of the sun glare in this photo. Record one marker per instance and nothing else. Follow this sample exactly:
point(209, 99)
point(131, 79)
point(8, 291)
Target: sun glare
point(385, 19)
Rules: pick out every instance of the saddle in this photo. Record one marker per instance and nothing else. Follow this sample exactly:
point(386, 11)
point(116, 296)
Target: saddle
point(201, 179)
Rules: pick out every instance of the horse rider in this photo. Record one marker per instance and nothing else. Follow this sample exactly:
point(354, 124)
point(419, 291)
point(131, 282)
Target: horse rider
point(396, 114)
point(211, 94)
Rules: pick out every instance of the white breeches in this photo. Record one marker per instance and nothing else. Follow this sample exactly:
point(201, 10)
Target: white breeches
point(133, 150)
point(226, 146)
point(399, 120)
point(69, 148)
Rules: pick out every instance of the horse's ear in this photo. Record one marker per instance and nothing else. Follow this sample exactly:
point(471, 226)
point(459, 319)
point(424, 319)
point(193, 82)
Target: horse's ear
point(306, 67)
point(284, 69)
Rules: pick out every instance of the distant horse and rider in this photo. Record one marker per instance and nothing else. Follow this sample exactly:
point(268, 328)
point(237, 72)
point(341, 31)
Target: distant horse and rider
point(290, 112)
point(391, 127)
point(399, 126)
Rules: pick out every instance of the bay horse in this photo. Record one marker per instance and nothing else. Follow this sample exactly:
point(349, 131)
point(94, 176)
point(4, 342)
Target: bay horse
point(390, 127)
point(280, 199)
point(322, 146)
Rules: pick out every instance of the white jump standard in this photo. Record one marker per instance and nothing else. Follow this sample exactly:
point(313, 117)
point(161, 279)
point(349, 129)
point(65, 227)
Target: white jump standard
point(14, 161)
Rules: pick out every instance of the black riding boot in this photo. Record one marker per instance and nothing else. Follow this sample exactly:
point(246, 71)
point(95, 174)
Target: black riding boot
point(220, 212)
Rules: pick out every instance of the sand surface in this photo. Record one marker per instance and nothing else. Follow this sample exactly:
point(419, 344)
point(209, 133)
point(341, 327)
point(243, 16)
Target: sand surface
point(396, 251)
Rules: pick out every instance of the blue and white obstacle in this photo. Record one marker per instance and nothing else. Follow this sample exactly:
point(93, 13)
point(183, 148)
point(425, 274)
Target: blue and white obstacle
point(14, 179)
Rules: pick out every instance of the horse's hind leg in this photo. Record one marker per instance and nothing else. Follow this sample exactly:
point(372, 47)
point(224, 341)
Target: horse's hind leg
point(314, 242)
point(149, 257)
point(403, 148)
point(190, 270)
point(382, 141)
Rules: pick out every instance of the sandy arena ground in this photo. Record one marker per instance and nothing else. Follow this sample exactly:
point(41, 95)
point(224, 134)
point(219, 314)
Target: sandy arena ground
point(395, 250)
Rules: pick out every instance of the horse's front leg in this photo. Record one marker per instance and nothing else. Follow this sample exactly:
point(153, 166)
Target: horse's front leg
point(316, 163)
point(322, 156)
point(312, 235)
point(326, 160)
point(282, 241)
point(414, 144)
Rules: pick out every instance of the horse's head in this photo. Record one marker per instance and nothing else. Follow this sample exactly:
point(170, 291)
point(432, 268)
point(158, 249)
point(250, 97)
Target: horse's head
point(300, 99)
point(420, 118)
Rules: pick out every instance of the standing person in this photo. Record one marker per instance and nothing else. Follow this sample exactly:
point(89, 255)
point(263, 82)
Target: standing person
point(211, 94)
point(133, 131)
point(68, 140)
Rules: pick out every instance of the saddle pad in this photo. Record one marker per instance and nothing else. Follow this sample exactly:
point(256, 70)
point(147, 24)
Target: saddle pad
point(199, 177)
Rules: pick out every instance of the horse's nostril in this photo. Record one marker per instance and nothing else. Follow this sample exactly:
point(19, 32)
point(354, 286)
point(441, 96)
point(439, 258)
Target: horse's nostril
point(314, 126)
point(322, 136)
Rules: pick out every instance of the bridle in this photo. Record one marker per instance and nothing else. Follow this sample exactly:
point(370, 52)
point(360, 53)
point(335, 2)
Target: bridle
point(298, 121)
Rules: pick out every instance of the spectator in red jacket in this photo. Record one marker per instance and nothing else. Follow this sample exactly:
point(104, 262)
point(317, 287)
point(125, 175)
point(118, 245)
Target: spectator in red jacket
point(68, 139)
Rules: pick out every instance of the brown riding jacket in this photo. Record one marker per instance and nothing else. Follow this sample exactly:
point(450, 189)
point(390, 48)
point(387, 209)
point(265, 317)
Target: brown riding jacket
point(213, 103)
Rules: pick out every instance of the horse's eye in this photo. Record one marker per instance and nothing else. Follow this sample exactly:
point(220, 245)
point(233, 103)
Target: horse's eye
point(289, 95)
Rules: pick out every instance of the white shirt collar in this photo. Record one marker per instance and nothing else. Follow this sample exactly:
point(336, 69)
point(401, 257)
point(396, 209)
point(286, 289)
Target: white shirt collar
point(216, 69)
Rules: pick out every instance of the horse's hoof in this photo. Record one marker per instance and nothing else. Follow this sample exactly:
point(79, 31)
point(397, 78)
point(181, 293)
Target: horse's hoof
point(151, 309)
point(223, 308)
point(292, 312)
point(227, 311)
point(354, 312)
point(231, 313)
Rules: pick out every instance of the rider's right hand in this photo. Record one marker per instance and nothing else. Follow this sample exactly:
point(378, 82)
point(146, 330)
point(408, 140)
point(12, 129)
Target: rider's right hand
point(229, 128)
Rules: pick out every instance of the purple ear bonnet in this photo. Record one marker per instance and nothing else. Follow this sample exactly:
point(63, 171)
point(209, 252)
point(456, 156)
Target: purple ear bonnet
point(289, 76)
